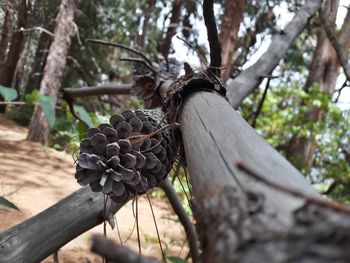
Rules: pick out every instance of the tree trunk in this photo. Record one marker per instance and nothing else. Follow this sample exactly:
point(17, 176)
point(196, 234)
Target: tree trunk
point(248, 80)
point(54, 69)
point(5, 34)
point(173, 25)
point(16, 45)
point(324, 72)
point(38, 65)
point(228, 34)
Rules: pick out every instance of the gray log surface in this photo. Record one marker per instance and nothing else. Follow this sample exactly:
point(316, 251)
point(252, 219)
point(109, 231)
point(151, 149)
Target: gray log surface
point(41, 235)
point(215, 139)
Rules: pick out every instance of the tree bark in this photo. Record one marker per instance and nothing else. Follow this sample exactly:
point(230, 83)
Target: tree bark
point(231, 21)
point(38, 65)
point(246, 82)
point(173, 25)
point(324, 71)
point(252, 205)
point(16, 45)
point(5, 34)
point(40, 236)
point(54, 69)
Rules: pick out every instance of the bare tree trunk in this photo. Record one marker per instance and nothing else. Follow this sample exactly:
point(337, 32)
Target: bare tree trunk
point(173, 25)
point(141, 39)
point(38, 65)
point(228, 34)
point(54, 69)
point(16, 45)
point(5, 34)
point(324, 72)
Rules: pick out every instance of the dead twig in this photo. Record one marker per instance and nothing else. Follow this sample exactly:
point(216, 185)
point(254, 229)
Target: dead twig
point(113, 252)
point(132, 50)
point(258, 110)
point(139, 61)
point(190, 230)
point(213, 37)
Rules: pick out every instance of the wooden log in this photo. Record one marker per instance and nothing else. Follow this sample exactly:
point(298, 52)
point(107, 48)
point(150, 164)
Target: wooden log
point(235, 211)
point(110, 89)
point(40, 236)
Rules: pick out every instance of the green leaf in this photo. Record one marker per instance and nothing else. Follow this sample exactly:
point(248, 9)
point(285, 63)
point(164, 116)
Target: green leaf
point(84, 115)
point(32, 97)
point(8, 93)
point(7, 203)
point(177, 260)
point(47, 105)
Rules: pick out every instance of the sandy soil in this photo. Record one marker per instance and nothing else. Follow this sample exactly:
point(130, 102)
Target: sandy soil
point(34, 177)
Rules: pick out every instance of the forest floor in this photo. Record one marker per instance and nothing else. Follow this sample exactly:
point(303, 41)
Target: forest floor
point(34, 177)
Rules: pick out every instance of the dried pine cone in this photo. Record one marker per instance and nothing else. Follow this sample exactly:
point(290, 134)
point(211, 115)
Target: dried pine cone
point(119, 158)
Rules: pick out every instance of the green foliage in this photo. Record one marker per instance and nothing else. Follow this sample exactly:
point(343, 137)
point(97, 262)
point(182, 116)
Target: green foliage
point(47, 106)
point(7, 203)
point(84, 115)
point(177, 260)
point(8, 94)
point(284, 116)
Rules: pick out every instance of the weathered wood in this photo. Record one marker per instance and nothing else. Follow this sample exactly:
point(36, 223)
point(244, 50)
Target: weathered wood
point(216, 139)
point(41, 235)
point(109, 89)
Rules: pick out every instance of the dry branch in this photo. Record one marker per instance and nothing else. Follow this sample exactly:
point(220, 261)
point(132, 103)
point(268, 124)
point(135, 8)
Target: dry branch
point(110, 89)
point(213, 36)
point(246, 82)
point(116, 253)
point(40, 236)
point(176, 204)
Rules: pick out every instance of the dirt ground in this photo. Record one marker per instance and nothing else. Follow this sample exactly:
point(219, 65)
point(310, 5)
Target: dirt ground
point(34, 177)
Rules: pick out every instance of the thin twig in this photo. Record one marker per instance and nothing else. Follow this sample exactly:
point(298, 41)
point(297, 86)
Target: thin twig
point(213, 37)
point(137, 52)
point(139, 61)
point(190, 230)
point(155, 223)
point(137, 226)
point(202, 59)
point(258, 110)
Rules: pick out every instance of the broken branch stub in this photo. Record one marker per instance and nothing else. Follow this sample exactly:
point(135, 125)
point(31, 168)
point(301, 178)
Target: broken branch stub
point(126, 157)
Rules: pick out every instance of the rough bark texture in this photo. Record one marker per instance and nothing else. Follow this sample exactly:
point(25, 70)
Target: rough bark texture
point(249, 79)
point(16, 45)
point(54, 69)
point(273, 217)
point(173, 25)
point(324, 72)
point(38, 65)
point(231, 21)
point(5, 34)
point(40, 236)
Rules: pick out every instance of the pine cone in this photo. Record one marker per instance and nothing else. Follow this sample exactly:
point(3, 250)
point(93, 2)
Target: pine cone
point(119, 159)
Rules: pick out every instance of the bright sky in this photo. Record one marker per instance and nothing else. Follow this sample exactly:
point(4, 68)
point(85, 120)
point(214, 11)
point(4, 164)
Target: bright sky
point(281, 12)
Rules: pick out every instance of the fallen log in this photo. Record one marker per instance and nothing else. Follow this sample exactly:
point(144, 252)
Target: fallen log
point(38, 237)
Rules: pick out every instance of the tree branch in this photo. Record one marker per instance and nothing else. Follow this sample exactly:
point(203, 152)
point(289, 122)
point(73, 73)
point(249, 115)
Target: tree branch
point(115, 253)
point(249, 79)
point(108, 89)
point(190, 230)
point(57, 225)
point(332, 36)
point(213, 37)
